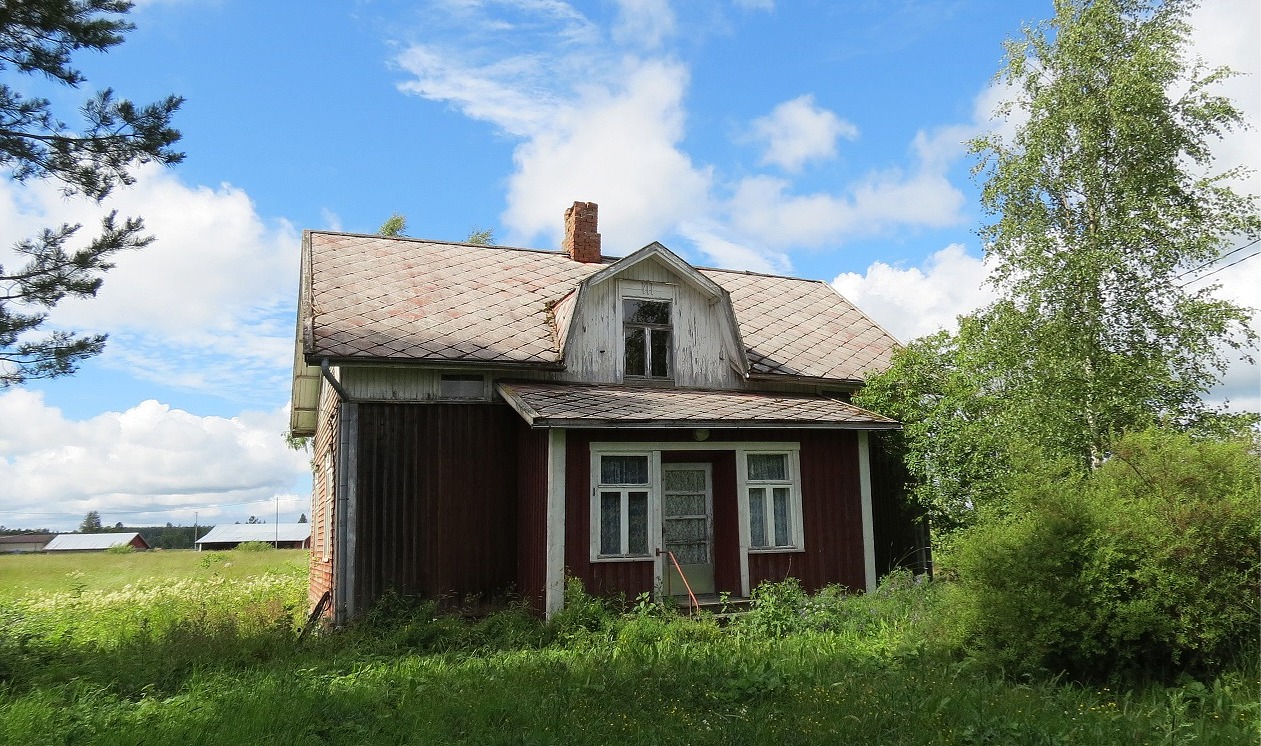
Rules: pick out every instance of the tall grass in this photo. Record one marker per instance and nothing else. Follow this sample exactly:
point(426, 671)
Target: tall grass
point(211, 660)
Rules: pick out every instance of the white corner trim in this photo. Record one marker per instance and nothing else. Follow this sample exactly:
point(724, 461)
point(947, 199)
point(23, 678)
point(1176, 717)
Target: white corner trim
point(554, 568)
point(869, 534)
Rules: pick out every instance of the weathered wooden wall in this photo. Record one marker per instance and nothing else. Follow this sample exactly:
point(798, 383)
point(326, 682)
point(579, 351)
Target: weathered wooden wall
point(831, 514)
point(532, 463)
point(437, 501)
point(594, 344)
point(322, 510)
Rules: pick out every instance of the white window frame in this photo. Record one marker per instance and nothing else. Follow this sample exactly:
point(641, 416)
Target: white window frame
point(796, 534)
point(653, 292)
point(653, 488)
point(740, 448)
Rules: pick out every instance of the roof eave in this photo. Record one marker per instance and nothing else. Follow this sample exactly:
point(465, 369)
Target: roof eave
point(851, 384)
point(426, 362)
point(593, 424)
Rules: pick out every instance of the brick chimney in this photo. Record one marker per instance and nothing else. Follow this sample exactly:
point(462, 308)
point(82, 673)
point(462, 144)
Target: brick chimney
point(582, 242)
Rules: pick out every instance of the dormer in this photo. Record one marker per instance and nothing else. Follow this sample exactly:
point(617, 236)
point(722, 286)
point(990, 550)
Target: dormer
point(650, 319)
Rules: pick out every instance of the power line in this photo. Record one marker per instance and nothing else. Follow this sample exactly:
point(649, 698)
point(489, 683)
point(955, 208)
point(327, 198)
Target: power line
point(1219, 269)
point(1236, 250)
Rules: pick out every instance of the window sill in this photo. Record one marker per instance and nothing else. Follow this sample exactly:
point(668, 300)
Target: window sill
point(775, 550)
point(623, 558)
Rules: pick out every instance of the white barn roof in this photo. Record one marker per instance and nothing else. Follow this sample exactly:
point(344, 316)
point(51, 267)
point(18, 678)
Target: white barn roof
point(83, 542)
point(233, 533)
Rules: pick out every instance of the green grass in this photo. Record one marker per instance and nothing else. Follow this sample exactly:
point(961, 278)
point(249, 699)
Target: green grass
point(26, 575)
point(197, 657)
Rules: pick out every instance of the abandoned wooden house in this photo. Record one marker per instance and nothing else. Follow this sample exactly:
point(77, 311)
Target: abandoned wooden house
point(491, 420)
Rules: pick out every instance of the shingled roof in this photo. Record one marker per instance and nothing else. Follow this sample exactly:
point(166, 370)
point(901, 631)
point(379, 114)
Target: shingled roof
point(376, 298)
point(572, 405)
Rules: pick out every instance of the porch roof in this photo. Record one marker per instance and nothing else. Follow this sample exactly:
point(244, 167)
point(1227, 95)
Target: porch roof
point(569, 405)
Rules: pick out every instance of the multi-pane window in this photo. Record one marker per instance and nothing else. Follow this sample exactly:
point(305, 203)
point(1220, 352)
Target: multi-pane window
point(647, 333)
point(461, 386)
point(769, 482)
point(622, 506)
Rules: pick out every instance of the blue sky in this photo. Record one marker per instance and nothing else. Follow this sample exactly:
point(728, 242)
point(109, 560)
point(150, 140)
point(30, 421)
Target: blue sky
point(818, 139)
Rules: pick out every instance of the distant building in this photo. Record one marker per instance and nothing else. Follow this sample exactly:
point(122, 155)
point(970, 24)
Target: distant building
point(281, 535)
point(19, 543)
point(95, 542)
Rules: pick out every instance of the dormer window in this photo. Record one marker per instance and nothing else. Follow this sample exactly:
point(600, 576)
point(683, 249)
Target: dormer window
point(647, 332)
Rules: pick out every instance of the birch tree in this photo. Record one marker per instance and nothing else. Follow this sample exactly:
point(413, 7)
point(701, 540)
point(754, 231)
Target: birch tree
point(1103, 202)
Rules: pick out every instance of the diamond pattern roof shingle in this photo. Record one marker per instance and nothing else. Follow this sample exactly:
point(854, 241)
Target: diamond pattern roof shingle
point(580, 405)
point(412, 300)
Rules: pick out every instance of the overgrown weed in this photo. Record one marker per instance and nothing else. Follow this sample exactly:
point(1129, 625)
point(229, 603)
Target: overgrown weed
point(219, 662)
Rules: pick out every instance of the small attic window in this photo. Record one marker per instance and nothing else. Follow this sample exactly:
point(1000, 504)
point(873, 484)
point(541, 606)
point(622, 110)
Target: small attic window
point(647, 332)
point(461, 386)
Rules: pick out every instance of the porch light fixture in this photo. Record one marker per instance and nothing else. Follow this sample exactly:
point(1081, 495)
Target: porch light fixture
point(700, 435)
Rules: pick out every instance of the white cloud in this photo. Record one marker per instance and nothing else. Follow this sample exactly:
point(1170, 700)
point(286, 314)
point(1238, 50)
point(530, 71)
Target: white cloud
point(1240, 284)
point(764, 209)
point(767, 5)
point(147, 465)
point(600, 121)
point(1225, 32)
point(911, 303)
point(727, 253)
point(644, 23)
point(799, 131)
point(617, 147)
point(207, 306)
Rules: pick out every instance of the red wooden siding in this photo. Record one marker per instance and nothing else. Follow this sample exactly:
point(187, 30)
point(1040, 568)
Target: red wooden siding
point(832, 517)
point(831, 506)
point(901, 527)
point(436, 501)
point(321, 570)
point(628, 579)
point(532, 463)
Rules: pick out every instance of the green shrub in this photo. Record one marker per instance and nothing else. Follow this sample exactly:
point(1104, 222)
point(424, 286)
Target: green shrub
point(583, 614)
point(1146, 567)
point(254, 546)
point(776, 609)
point(120, 549)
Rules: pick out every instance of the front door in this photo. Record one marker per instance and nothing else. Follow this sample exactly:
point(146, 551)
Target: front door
point(687, 527)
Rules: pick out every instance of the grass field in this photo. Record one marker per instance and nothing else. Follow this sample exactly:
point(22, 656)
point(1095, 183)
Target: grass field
point(176, 647)
point(25, 576)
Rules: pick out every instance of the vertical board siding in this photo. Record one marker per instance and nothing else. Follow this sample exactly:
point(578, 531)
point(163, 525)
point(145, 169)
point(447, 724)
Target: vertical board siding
point(594, 342)
point(832, 512)
point(831, 517)
point(437, 501)
point(901, 527)
point(625, 579)
point(320, 570)
point(390, 384)
point(532, 486)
